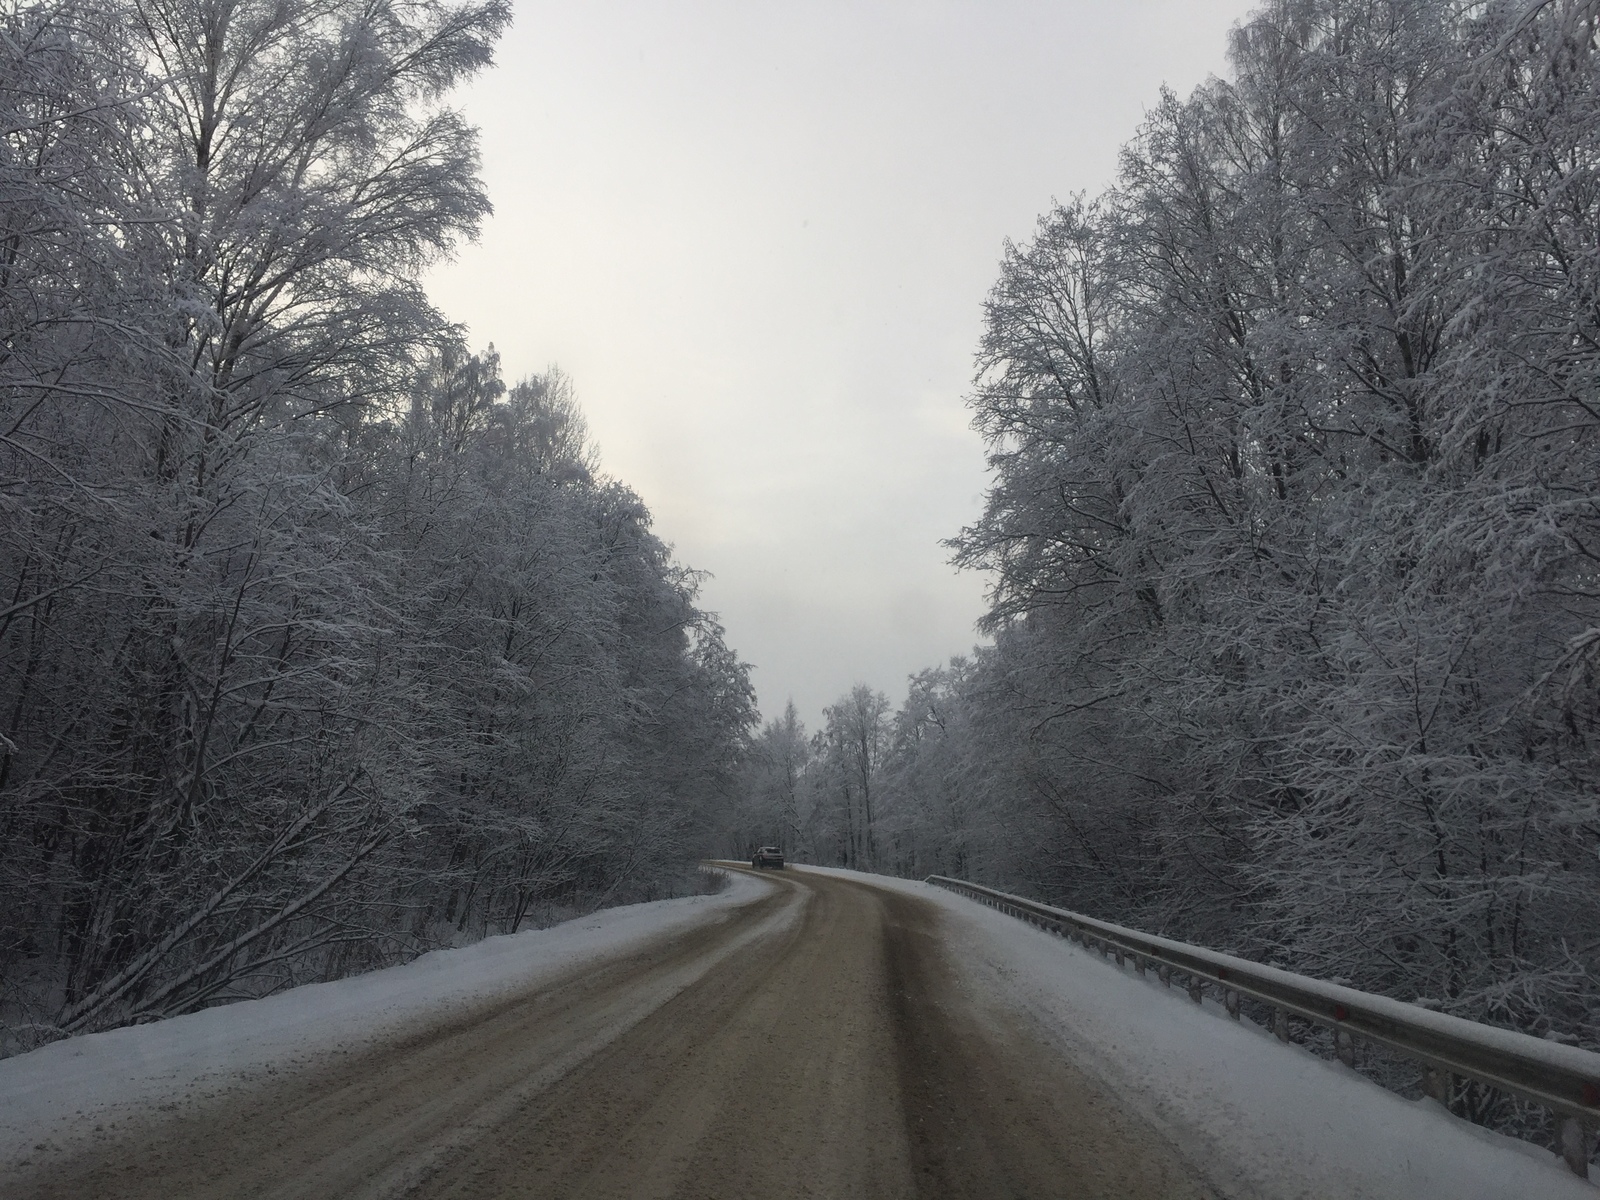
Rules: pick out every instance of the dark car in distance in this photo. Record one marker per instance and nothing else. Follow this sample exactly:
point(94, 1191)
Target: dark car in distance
point(767, 856)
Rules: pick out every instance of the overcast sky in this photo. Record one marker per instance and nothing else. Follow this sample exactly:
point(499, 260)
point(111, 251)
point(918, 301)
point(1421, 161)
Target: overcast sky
point(758, 236)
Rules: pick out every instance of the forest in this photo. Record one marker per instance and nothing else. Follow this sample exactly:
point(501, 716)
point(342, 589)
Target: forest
point(321, 644)
point(1292, 533)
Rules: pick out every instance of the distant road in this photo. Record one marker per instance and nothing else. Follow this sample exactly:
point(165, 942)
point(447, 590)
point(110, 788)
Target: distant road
point(810, 1044)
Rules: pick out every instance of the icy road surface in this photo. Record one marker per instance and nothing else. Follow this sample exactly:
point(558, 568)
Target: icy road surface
point(813, 1033)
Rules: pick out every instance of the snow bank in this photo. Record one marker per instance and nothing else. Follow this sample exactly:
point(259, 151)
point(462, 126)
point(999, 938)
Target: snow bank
point(59, 1090)
point(1260, 1118)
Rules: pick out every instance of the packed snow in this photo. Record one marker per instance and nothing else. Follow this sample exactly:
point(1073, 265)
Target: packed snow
point(65, 1089)
point(1260, 1118)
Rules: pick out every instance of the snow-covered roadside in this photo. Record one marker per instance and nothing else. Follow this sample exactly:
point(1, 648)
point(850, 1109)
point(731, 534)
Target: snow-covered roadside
point(60, 1090)
point(1262, 1119)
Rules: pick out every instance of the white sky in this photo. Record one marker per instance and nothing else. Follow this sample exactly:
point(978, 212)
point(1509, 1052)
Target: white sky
point(758, 236)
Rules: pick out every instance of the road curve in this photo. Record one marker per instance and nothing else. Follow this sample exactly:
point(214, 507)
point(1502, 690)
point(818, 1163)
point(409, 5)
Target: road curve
point(813, 1043)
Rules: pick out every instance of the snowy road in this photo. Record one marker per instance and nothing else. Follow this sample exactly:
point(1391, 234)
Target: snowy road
point(814, 1043)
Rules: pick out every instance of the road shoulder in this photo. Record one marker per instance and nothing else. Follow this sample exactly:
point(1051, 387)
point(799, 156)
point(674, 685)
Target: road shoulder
point(1256, 1118)
point(60, 1096)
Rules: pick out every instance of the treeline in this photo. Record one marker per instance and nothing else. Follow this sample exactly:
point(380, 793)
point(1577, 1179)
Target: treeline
point(318, 645)
point(1293, 529)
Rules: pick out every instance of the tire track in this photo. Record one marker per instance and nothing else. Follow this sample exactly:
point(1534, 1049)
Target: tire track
point(815, 1043)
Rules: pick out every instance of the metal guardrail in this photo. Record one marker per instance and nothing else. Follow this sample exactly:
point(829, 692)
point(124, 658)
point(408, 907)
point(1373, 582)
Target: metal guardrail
point(1564, 1079)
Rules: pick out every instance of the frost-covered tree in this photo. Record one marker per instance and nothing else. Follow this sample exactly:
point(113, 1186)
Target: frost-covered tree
point(1291, 527)
point(318, 645)
point(770, 797)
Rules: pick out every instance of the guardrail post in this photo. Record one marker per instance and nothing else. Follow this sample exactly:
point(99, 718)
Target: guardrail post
point(1231, 1000)
point(1138, 965)
point(1164, 973)
point(1577, 1138)
point(1438, 1084)
point(1280, 1023)
point(1196, 989)
point(1344, 1045)
point(1116, 952)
